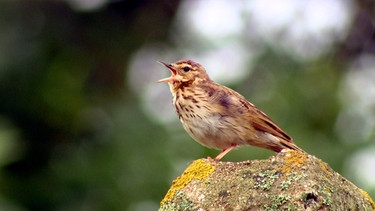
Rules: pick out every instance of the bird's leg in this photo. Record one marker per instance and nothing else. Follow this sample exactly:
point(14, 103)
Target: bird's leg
point(224, 152)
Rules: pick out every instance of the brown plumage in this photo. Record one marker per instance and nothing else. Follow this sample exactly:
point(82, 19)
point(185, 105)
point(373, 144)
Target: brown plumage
point(217, 116)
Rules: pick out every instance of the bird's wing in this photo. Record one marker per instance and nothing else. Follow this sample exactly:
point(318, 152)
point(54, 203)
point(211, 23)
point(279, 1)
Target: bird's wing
point(262, 122)
point(259, 120)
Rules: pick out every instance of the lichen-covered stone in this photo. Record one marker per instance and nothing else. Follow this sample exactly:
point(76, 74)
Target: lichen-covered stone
point(289, 180)
point(198, 170)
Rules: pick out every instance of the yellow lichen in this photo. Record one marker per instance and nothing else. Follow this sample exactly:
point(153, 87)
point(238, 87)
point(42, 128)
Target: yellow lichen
point(294, 160)
point(325, 168)
point(368, 197)
point(199, 169)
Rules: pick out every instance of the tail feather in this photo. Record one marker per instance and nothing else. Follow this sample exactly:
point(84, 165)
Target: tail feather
point(290, 145)
point(269, 141)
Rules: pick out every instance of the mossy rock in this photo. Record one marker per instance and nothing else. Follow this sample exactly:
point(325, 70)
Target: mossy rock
point(289, 180)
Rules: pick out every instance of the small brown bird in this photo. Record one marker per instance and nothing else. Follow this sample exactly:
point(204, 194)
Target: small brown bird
point(217, 116)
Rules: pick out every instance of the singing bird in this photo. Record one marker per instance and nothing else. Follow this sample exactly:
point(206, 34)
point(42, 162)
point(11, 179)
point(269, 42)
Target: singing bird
point(217, 116)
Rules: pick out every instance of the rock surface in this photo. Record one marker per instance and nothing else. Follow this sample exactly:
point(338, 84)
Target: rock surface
point(287, 181)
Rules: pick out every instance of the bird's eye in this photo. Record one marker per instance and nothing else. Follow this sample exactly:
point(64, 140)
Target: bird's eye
point(186, 69)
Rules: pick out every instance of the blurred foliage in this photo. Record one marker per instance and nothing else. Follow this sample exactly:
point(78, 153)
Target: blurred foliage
point(81, 140)
point(74, 137)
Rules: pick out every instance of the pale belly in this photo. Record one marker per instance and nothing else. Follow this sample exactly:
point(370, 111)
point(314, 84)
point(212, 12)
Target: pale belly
point(214, 131)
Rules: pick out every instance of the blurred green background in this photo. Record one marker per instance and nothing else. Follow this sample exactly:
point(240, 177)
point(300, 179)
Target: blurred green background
point(85, 126)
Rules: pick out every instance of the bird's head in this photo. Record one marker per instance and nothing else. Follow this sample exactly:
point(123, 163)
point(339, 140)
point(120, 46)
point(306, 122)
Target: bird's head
point(185, 73)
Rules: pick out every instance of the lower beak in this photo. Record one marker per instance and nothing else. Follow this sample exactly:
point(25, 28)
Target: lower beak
point(173, 71)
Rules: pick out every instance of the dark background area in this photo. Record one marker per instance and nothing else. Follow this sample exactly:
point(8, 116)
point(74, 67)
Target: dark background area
point(75, 129)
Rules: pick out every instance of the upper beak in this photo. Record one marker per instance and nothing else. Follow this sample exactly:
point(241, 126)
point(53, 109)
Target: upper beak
point(173, 71)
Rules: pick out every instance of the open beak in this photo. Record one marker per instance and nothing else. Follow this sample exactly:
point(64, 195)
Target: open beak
point(173, 71)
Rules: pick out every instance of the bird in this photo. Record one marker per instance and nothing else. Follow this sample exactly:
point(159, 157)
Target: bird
point(217, 116)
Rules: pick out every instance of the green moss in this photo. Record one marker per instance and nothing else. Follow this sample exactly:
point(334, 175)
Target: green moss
point(285, 184)
point(327, 195)
point(168, 207)
point(180, 194)
point(290, 207)
point(265, 180)
point(277, 202)
point(291, 177)
point(184, 205)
